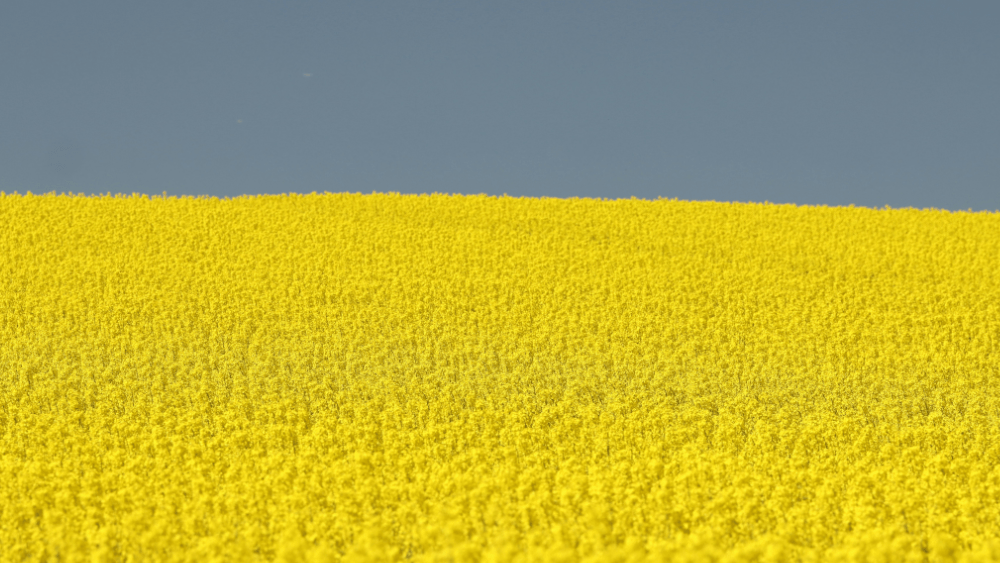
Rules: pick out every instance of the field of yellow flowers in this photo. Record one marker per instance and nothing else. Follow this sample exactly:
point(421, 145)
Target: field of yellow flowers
point(347, 377)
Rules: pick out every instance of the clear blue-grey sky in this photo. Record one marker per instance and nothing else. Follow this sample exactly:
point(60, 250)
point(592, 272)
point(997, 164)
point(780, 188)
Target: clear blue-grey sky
point(869, 103)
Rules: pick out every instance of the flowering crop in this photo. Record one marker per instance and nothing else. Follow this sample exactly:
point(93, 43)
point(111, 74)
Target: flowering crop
point(346, 377)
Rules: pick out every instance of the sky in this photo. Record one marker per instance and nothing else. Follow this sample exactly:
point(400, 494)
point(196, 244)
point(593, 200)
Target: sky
point(870, 103)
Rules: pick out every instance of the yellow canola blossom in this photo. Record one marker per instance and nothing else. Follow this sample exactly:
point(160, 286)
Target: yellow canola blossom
point(347, 377)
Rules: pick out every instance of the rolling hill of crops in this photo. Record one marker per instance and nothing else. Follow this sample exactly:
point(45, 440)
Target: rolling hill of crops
point(347, 377)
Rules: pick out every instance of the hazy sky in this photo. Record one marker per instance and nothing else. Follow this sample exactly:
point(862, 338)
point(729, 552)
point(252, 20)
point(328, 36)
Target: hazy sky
point(870, 103)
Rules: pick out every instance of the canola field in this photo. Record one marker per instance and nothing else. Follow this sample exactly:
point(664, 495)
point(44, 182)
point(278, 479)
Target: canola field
point(383, 377)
